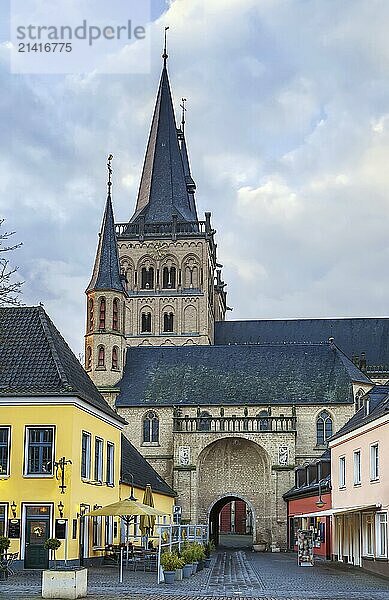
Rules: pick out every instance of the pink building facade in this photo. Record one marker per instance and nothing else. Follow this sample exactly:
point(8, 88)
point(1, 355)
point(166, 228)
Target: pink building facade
point(360, 485)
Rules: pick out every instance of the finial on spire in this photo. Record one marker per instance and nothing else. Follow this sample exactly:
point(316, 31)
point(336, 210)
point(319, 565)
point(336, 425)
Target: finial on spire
point(109, 167)
point(184, 109)
point(165, 55)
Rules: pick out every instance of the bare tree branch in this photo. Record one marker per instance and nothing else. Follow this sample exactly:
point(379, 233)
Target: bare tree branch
point(10, 289)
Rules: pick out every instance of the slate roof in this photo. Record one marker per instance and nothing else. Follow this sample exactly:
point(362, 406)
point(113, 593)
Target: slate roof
point(378, 407)
point(353, 336)
point(163, 187)
point(312, 489)
point(222, 375)
point(106, 270)
point(132, 462)
point(35, 360)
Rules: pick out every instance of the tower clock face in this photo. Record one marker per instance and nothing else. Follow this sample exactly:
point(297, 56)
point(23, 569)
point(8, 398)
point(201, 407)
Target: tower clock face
point(159, 250)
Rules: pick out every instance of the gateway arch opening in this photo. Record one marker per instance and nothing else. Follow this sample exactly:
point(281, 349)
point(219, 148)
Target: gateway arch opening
point(231, 523)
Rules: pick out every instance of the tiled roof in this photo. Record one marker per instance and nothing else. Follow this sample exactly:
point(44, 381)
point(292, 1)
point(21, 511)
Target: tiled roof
point(311, 489)
point(106, 270)
point(35, 360)
point(163, 187)
point(353, 336)
point(378, 402)
point(222, 375)
point(133, 463)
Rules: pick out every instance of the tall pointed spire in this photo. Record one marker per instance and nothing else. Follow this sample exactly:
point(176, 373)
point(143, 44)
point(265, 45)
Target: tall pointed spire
point(106, 271)
point(163, 190)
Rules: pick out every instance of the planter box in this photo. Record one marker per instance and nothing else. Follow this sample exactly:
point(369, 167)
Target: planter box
point(259, 547)
point(187, 571)
point(169, 576)
point(66, 583)
point(179, 575)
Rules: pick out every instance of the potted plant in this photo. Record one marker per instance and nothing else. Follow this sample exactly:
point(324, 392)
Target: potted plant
point(4, 545)
point(52, 544)
point(170, 562)
point(180, 569)
point(209, 547)
point(199, 555)
point(187, 557)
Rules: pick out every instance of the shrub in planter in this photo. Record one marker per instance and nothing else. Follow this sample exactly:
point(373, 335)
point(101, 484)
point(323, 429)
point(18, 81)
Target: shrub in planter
point(209, 547)
point(52, 544)
point(4, 544)
point(187, 555)
point(170, 562)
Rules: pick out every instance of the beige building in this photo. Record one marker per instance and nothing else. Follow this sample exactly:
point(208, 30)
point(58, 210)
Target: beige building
point(221, 409)
point(360, 485)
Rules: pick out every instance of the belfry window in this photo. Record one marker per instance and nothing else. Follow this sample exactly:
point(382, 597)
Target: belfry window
point(146, 322)
point(115, 315)
point(88, 362)
point(147, 278)
point(115, 359)
point(323, 428)
point(90, 315)
point(169, 278)
point(102, 313)
point(151, 427)
point(168, 322)
point(101, 357)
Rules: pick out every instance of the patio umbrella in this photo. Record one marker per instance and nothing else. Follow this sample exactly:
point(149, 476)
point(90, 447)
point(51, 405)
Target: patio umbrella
point(147, 522)
point(125, 508)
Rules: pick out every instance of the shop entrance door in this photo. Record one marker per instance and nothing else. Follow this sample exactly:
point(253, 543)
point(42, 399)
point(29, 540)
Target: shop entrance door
point(37, 531)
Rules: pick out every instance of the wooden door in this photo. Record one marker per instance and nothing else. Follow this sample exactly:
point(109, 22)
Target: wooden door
point(37, 531)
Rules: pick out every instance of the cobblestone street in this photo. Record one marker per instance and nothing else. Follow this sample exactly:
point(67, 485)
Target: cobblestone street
point(233, 574)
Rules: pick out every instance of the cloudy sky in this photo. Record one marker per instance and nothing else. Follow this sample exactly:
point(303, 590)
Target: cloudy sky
point(288, 132)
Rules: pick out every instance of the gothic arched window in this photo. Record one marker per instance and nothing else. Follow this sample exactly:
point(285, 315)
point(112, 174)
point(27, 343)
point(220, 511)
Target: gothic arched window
point(168, 322)
point(115, 358)
point(115, 314)
point(90, 315)
point(151, 427)
point(169, 278)
point(101, 356)
point(102, 312)
point(204, 423)
point(147, 278)
point(323, 428)
point(263, 420)
point(146, 322)
point(88, 361)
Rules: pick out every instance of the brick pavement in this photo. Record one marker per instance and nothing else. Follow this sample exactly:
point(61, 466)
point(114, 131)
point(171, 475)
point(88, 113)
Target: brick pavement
point(233, 574)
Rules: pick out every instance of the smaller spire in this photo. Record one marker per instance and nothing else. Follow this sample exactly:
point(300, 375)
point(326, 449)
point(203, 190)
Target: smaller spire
point(109, 167)
point(183, 114)
point(165, 55)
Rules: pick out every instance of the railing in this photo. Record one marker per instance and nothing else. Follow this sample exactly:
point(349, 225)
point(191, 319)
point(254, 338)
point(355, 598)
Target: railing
point(235, 424)
point(172, 229)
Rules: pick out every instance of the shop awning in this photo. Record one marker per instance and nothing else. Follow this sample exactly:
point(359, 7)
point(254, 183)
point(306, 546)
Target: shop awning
point(339, 511)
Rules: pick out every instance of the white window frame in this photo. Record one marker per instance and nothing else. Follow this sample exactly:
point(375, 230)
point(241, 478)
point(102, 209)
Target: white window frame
point(97, 527)
point(110, 464)
point(381, 518)
point(374, 462)
point(28, 428)
point(368, 523)
point(342, 472)
point(98, 473)
point(108, 530)
point(88, 464)
point(357, 467)
point(8, 469)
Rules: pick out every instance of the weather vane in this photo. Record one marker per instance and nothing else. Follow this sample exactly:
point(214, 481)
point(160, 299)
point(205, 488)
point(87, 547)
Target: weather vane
point(184, 109)
point(109, 167)
point(165, 55)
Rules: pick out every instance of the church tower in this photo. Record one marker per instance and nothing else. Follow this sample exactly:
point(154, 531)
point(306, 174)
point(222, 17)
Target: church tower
point(167, 255)
point(105, 324)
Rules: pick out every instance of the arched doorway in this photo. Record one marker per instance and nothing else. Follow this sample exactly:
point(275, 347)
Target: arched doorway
point(235, 470)
point(231, 522)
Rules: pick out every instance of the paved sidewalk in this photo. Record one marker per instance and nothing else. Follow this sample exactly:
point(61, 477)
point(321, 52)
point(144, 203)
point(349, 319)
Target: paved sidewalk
point(233, 574)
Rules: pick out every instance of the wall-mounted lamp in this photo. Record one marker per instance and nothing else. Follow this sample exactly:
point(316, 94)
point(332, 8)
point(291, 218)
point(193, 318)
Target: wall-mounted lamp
point(83, 509)
point(60, 507)
point(13, 508)
point(320, 502)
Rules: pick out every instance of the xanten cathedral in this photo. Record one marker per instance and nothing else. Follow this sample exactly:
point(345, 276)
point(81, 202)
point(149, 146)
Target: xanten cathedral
point(223, 410)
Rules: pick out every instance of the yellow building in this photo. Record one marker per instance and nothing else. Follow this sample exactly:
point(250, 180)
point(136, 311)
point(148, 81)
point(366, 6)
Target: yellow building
point(60, 447)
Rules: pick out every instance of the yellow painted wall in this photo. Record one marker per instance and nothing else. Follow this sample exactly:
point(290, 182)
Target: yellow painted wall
point(69, 422)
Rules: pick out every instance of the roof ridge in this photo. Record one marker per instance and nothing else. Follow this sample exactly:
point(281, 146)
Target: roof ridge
point(44, 318)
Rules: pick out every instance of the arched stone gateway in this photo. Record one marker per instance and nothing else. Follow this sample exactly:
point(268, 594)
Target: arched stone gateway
point(232, 468)
point(241, 536)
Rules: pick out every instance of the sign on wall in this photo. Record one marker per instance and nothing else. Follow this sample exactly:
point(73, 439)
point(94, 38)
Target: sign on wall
point(184, 455)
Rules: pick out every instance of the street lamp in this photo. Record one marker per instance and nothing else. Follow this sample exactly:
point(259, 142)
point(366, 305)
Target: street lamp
point(320, 502)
